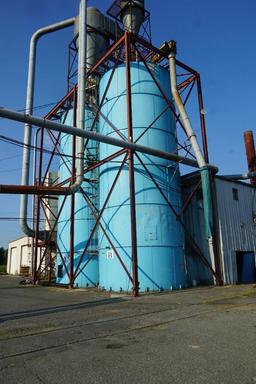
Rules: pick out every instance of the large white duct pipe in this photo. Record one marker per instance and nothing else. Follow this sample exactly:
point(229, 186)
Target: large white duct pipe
point(29, 109)
point(80, 107)
point(204, 168)
point(81, 91)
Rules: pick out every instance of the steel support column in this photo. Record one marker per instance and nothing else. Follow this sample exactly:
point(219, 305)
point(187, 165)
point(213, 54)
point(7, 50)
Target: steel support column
point(202, 118)
point(131, 167)
point(72, 202)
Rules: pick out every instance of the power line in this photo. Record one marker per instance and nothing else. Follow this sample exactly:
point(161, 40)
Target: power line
point(10, 218)
point(10, 157)
point(10, 170)
point(37, 107)
point(20, 144)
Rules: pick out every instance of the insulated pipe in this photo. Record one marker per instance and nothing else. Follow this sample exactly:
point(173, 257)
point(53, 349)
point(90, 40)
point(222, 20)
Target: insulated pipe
point(204, 168)
point(29, 109)
point(54, 126)
point(81, 95)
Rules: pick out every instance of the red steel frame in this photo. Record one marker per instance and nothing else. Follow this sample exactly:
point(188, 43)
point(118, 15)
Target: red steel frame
point(122, 51)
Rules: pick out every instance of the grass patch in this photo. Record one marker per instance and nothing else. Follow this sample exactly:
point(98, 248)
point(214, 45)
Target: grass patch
point(247, 293)
point(3, 268)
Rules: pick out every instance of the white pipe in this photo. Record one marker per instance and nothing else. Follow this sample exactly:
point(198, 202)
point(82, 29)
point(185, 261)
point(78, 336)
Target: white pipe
point(81, 93)
point(29, 109)
point(206, 187)
point(54, 126)
point(183, 114)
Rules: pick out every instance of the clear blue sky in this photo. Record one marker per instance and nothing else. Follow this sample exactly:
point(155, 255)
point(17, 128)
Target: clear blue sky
point(218, 38)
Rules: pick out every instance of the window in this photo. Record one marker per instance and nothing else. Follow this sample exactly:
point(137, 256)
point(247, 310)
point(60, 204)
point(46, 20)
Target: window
point(235, 194)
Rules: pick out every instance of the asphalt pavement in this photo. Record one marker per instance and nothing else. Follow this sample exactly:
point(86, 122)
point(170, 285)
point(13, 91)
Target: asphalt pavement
point(53, 335)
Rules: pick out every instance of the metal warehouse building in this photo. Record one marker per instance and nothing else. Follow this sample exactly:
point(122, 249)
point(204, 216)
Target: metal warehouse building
point(235, 230)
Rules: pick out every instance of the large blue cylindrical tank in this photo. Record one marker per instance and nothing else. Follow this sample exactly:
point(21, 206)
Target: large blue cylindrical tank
point(84, 220)
point(160, 236)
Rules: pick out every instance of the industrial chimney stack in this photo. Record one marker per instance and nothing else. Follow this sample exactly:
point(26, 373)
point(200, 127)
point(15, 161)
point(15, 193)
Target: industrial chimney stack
point(250, 153)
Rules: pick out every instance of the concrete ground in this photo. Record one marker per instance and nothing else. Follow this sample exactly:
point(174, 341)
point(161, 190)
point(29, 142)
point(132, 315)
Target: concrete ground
point(202, 335)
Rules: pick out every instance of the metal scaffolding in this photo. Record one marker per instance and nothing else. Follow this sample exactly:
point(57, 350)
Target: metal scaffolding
point(121, 52)
point(127, 48)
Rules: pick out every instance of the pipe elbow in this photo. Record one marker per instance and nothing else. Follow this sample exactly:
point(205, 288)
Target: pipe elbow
point(52, 28)
point(25, 228)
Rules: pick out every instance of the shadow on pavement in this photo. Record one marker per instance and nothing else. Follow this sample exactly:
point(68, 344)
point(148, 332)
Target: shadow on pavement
point(62, 308)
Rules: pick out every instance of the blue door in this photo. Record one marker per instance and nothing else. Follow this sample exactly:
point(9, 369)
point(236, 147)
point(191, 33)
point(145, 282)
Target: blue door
point(248, 268)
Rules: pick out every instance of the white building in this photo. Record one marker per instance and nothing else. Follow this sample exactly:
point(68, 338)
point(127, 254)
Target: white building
point(19, 255)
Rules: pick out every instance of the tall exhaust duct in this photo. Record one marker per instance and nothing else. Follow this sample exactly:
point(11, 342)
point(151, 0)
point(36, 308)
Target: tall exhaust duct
point(97, 42)
point(99, 29)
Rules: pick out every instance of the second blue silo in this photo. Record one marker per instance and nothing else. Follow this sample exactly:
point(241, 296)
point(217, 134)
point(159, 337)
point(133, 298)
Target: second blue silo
point(83, 218)
point(160, 236)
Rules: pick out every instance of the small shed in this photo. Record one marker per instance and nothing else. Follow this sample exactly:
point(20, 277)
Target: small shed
point(19, 255)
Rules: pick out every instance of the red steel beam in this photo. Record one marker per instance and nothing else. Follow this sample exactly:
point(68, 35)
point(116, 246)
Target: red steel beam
point(96, 165)
point(96, 215)
point(186, 82)
point(104, 97)
point(189, 199)
point(52, 228)
point(33, 190)
point(202, 118)
point(131, 166)
point(107, 55)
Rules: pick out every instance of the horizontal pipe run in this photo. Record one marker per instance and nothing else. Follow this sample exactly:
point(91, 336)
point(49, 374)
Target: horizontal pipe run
point(33, 190)
point(54, 126)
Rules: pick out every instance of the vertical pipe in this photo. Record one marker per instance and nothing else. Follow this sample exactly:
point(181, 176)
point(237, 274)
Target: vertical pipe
point(202, 118)
point(131, 167)
point(34, 199)
point(204, 170)
point(35, 274)
point(29, 110)
point(81, 91)
point(72, 205)
point(250, 153)
point(79, 120)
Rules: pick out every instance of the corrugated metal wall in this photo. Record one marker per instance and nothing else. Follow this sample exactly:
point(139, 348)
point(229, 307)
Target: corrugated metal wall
point(237, 230)
point(236, 214)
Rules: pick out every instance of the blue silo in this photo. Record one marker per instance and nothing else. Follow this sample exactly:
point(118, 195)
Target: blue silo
point(84, 220)
point(160, 236)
